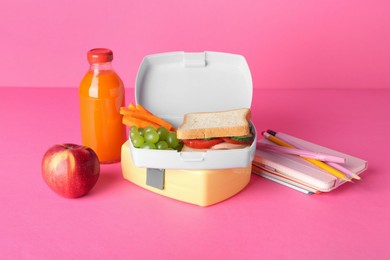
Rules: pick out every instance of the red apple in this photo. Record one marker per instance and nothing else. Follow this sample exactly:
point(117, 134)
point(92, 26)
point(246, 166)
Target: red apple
point(70, 170)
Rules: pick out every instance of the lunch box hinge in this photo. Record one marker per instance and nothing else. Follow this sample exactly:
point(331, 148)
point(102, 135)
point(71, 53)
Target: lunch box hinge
point(194, 59)
point(155, 178)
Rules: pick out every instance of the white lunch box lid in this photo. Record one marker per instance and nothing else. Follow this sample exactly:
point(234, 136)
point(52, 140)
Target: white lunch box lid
point(175, 83)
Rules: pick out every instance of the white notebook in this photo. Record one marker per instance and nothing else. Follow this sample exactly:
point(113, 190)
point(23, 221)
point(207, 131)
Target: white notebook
point(294, 171)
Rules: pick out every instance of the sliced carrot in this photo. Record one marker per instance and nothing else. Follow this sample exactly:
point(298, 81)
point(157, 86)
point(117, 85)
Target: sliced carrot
point(125, 111)
point(132, 107)
point(153, 119)
point(134, 114)
point(143, 110)
point(138, 123)
point(144, 116)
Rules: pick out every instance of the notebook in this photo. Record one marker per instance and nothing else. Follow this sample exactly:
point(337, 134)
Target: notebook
point(296, 173)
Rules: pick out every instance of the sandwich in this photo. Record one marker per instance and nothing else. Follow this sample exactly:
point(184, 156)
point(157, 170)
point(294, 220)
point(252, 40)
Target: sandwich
point(216, 130)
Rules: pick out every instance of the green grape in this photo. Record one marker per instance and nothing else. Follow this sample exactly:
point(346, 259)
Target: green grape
point(162, 132)
point(141, 131)
point(162, 145)
point(138, 141)
point(133, 131)
point(149, 129)
point(133, 134)
point(172, 140)
point(151, 137)
point(148, 145)
point(133, 128)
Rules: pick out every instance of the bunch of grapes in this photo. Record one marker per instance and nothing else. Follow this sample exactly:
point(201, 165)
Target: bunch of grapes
point(150, 138)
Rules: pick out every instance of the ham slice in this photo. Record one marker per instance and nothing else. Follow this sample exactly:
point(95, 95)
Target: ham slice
point(225, 145)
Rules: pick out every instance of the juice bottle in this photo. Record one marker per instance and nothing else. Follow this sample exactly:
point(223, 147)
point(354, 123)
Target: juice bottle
point(101, 95)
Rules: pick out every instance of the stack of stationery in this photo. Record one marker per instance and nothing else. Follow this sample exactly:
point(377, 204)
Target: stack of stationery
point(302, 165)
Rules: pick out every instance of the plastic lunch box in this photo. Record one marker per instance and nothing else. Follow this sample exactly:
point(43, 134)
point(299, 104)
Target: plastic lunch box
point(170, 85)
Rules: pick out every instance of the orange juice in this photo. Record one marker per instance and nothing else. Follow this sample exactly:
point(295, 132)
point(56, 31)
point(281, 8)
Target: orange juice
point(101, 95)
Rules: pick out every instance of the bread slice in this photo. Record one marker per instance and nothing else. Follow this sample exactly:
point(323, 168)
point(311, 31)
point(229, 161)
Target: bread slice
point(215, 124)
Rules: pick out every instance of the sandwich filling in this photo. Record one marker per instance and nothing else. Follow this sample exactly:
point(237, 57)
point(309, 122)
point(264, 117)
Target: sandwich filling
point(218, 143)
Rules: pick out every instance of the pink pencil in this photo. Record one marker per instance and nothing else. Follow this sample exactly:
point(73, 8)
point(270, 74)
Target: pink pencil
point(285, 138)
point(302, 153)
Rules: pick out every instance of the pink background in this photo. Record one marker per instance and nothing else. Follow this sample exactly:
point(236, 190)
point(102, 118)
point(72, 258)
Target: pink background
point(288, 44)
point(119, 220)
point(340, 49)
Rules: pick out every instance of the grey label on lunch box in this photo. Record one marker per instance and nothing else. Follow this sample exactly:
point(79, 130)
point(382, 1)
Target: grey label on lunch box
point(155, 178)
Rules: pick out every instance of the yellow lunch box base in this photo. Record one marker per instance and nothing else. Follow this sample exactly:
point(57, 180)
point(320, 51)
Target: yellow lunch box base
point(200, 187)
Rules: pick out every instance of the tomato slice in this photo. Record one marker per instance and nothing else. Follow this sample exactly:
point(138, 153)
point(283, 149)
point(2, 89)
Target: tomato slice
point(202, 143)
point(231, 141)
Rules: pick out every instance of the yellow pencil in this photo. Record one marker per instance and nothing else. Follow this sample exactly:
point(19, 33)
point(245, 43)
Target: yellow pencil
point(317, 163)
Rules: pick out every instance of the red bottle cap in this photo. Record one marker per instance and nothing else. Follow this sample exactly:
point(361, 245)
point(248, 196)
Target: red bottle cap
point(99, 55)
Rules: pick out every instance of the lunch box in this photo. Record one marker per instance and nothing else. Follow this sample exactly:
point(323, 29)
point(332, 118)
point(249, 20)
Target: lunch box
point(175, 83)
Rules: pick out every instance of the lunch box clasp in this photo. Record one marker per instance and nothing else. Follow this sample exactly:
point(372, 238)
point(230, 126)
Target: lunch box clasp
point(155, 178)
point(192, 157)
point(194, 59)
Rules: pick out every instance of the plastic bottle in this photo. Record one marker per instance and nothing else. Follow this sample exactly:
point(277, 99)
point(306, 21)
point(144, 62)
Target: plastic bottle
point(101, 95)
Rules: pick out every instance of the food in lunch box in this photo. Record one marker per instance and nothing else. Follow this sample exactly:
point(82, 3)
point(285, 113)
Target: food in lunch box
point(216, 130)
point(150, 138)
point(137, 115)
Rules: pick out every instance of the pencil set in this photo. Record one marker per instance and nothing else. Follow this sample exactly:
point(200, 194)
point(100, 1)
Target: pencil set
point(304, 166)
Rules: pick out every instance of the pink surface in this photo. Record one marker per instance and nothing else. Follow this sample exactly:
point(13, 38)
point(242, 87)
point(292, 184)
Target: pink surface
point(288, 44)
point(119, 220)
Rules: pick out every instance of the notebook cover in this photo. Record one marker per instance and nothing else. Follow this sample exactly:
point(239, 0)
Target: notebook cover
point(270, 175)
point(295, 168)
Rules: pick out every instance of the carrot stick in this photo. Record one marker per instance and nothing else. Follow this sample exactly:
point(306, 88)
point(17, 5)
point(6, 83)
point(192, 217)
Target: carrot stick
point(132, 107)
point(125, 111)
point(138, 123)
point(140, 113)
point(143, 110)
point(145, 116)
point(153, 119)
